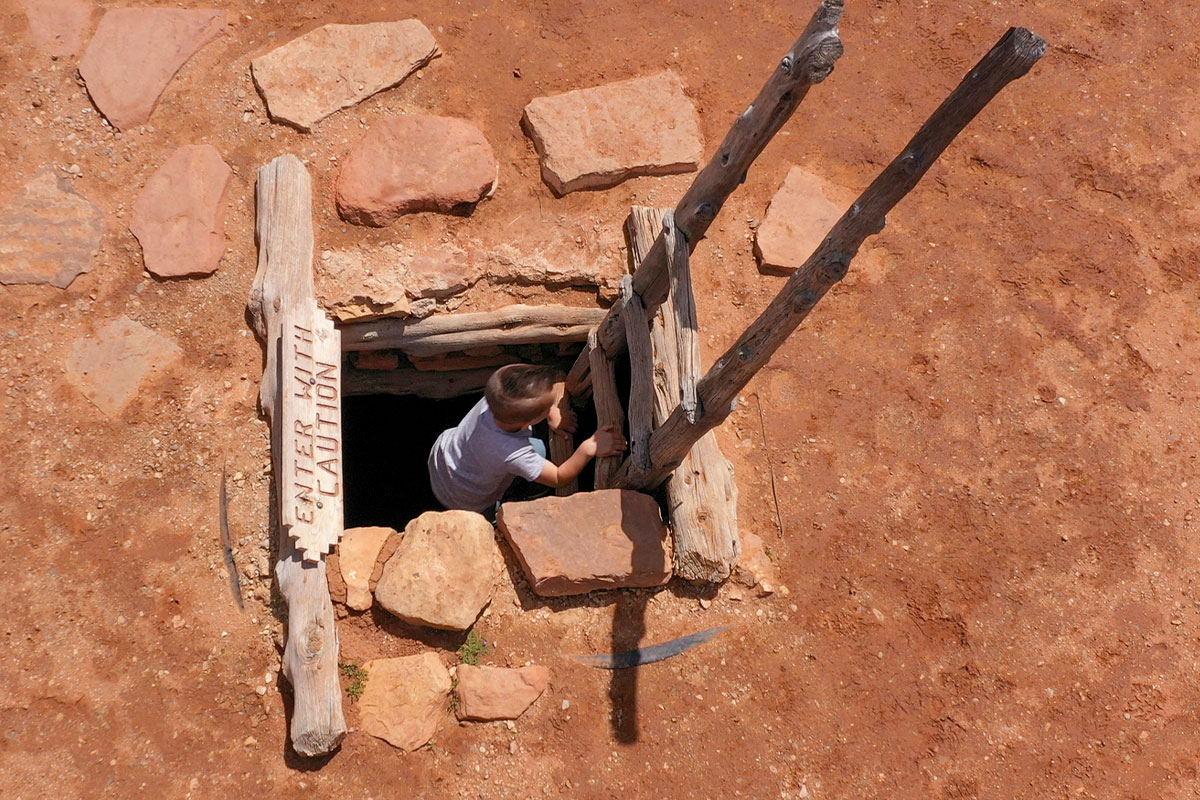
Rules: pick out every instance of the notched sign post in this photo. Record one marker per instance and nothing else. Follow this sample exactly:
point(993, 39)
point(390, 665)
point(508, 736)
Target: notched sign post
point(312, 486)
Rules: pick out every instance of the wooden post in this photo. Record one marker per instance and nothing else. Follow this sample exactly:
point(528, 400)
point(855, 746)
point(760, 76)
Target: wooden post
point(284, 282)
point(608, 408)
point(1013, 56)
point(641, 375)
point(682, 320)
point(809, 62)
point(562, 446)
point(701, 492)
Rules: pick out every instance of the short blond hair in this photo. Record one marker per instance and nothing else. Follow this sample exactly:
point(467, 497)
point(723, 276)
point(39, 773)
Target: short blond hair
point(519, 393)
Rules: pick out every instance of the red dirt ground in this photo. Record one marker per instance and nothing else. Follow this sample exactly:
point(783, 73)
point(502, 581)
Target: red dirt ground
point(980, 442)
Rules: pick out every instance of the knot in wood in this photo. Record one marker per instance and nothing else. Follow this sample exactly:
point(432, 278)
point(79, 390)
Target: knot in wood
point(313, 641)
point(912, 162)
point(836, 267)
point(822, 58)
point(786, 64)
point(707, 210)
point(805, 300)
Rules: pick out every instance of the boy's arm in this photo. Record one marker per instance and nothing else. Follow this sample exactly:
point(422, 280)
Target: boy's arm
point(605, 442)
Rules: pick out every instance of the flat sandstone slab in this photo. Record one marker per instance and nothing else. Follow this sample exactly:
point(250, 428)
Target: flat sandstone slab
point(136, 51)
point(489, 693)
point(799, 216)
point(336, 66)
point(49, 234)
point(110, 367)
point(444, 571)
point(405, 699)
point(611, 539)
point(415, 162)
point(179, 216)
point(58, 26)
point(595, 138)
point(358, 551)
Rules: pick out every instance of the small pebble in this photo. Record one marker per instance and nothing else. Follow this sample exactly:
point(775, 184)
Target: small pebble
point(566, 704)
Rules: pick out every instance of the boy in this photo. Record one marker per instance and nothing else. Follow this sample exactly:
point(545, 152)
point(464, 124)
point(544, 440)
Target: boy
point(472, 464)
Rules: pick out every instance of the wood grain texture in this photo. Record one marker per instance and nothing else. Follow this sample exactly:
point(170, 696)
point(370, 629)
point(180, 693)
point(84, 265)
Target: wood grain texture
point(641, 375)
point(608, 408)
point(702, 493)
point(1013, 56)
point(445, 333)
point(683, 322)
point(809, 62)
point(284, 280)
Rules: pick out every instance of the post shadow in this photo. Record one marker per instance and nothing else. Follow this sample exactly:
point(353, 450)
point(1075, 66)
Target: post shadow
point(628, 631)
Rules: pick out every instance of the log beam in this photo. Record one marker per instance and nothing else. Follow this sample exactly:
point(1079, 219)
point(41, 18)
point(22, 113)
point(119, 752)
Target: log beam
point(1013, 56)
point(809, 62)
point(446, 333)
point(608, 408)
point(284, 280)
point(562, 446)
point(701, 492)
point(681, 321)
point(641, 375)
point(422, 383)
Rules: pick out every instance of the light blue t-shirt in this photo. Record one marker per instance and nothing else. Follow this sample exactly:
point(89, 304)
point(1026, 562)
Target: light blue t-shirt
point(472, 464)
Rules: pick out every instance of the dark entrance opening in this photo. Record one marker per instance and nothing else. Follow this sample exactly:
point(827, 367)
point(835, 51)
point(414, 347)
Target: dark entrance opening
point(386, 441)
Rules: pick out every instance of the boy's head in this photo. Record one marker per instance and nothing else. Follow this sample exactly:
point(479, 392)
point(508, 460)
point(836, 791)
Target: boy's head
point(521, 394)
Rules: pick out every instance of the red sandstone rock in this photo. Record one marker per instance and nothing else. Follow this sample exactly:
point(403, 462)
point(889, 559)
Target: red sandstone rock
point(390, 546)
point(444, 571)
point(487, 693)
point(414, 162)
point(595, 138)
point(136, 51)
point(336, 66)
point(357, 551)
point(754, 569)
point(110, 367)
point(405, 699)
point(609, 539)
point(179, 216)
point(49, 234)
point(333, 575)
point(799, 216)
point(58, 26)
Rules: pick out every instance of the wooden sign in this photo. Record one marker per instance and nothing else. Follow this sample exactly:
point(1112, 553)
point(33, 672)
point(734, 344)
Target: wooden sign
point(311, 487)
